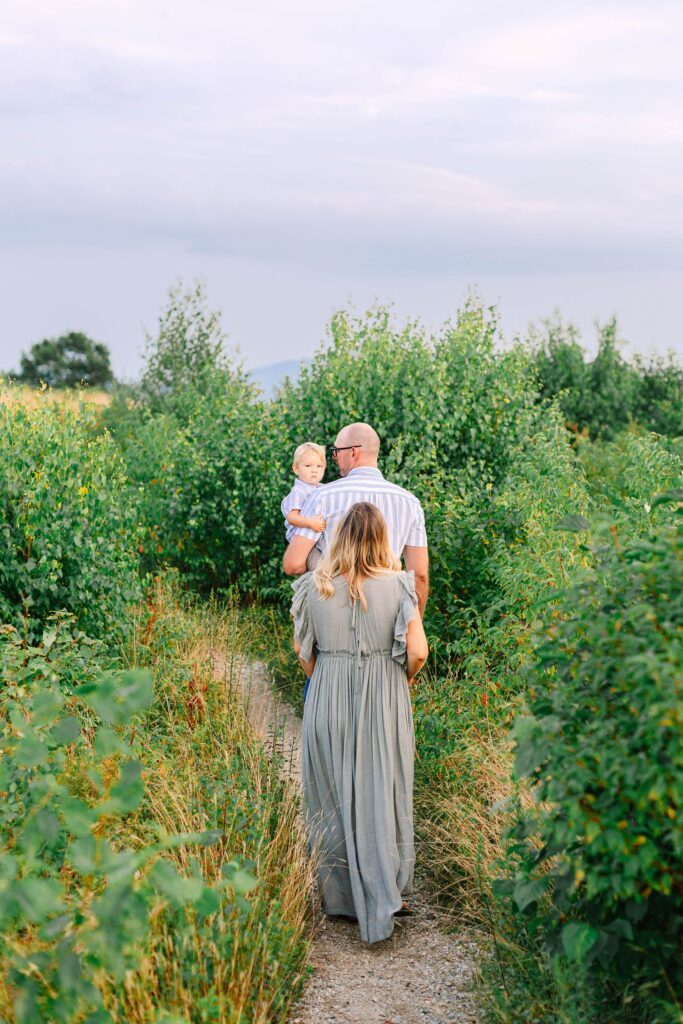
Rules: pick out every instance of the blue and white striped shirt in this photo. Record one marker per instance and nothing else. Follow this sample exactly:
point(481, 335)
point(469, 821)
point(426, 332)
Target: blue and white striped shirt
point(401, 509)
point(296, 498)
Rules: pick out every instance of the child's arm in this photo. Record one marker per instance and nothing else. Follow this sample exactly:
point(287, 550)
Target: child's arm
point(317, 523)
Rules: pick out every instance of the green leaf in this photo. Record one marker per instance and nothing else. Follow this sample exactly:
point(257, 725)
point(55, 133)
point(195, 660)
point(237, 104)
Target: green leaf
point(117, 696)
point(26, 1008)
point(78, 816)
point(39, 898)
point(573, 524)
point(82, 854)
point(531, 749)
point(526, 893)
point(108, 742)
point(127, 793)
point(66, 730)
point(30, 752)
point(578, 939)
point(46, 705)
point(208, 903)
point(164, 876)
point(238, 878)
point(69, 969)
point(666, 497)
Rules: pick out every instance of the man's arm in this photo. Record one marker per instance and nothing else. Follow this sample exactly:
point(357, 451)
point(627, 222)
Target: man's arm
point(298, 549)
point(417, 559)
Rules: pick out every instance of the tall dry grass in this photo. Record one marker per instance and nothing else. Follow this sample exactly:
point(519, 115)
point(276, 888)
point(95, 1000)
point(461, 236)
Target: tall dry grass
point(31, 398)
point(206, 770)
point(242, 960)
point(463, 828)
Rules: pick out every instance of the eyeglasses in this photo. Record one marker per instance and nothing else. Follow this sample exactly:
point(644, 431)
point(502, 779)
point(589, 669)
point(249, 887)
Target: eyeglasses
point(344, 448)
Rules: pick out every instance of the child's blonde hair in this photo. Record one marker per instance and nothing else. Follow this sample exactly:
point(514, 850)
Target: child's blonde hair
point(308, 446)
point(359, 549)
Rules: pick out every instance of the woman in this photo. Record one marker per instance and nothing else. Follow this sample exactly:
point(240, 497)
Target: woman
point(359, 635)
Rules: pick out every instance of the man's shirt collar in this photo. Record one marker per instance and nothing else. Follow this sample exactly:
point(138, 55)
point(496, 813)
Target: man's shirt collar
point(364, 471)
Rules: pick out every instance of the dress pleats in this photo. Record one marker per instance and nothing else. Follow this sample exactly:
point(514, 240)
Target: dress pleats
point(358, 747)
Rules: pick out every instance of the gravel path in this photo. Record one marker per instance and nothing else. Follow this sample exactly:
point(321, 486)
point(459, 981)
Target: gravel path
point(421, 975)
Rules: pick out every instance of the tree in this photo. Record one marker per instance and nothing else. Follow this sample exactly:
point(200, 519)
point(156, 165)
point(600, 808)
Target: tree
point(66, 362)
point(188, 354)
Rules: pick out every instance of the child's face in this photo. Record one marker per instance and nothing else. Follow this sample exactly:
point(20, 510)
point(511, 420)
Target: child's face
point(310, 469)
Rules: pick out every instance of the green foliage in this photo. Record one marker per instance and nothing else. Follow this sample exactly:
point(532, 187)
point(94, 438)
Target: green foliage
point(69, 361)
point(601, 741)
point(200, 456)
point(146, 844)
point(186, 354)
point(659, 401)
point(70, 905)
point(626, 474)
point(69, 533)
point(604, 395)
point(456, 414)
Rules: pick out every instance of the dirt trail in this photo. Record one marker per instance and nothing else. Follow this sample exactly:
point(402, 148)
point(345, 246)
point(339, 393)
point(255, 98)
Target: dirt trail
point(421, 975)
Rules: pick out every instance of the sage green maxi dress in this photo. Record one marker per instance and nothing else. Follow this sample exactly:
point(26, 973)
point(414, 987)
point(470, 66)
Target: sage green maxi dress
point(358, 747)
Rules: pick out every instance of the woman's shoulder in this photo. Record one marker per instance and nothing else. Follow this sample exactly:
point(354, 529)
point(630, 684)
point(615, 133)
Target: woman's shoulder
point(395, 583)
point(302, 582)
point(404, 579)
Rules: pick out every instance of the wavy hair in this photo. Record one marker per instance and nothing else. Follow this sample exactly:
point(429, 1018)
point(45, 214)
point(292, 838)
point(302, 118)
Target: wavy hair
point(359, 550)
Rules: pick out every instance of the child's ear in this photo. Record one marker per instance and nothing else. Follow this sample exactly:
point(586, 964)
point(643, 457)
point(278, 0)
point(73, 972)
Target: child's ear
point(294, 469)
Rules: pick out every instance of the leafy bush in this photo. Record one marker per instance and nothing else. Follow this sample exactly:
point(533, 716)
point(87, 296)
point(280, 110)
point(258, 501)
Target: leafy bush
point(455, 413)
point(200, 451)
point(151, 861)
point(602, 744)
point(70, 908)
point(68, 528)
point(604, 395)
point(624, 476)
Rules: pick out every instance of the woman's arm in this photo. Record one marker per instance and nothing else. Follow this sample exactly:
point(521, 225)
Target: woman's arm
point(317, 523)
point(416, 647)
point(307, 666)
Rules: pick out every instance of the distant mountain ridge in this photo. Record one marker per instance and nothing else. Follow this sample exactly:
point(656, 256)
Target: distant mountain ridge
point(269, 377)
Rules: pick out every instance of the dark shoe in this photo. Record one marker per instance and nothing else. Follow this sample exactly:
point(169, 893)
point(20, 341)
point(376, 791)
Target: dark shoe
point(405, 911)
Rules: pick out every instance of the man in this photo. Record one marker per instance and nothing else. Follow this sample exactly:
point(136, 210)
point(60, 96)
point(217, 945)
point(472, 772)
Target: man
point(355, 451)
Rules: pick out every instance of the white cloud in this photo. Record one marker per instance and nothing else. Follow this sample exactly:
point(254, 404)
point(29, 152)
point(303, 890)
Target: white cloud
point(351, 135)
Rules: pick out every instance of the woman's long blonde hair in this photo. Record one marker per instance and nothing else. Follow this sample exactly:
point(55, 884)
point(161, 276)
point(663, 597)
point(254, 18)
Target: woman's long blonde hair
point(359, 549)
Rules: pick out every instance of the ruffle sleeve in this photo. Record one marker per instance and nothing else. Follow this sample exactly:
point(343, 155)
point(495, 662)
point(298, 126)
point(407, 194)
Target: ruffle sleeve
point(303, 630)
point(407, 609)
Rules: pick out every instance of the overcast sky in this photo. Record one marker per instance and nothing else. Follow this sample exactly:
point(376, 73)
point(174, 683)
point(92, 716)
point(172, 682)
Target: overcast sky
point(302, 156)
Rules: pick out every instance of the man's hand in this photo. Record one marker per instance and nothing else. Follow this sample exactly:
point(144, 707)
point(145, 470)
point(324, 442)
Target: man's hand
point(417, 559)
point(294, 561)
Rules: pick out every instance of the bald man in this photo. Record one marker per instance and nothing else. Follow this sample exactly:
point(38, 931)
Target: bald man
point(355, 451)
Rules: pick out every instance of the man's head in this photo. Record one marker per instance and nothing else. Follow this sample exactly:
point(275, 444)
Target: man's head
point(358, 445)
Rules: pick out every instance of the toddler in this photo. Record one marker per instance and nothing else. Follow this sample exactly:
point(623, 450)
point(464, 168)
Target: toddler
point(309, 467)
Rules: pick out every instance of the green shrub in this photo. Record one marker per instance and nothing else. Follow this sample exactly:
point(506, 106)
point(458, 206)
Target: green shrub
point(71, 910)
point(603, 395)
point(624, 476)
point(68, 526)
point(457, 414)
point(203, 455)
point(602, 744)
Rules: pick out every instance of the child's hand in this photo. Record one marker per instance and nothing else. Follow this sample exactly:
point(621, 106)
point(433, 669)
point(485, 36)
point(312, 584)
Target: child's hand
point(319, 523)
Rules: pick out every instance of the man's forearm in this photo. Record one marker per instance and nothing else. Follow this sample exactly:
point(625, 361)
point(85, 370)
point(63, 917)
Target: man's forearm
point(294, 561)
point(422, 591)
